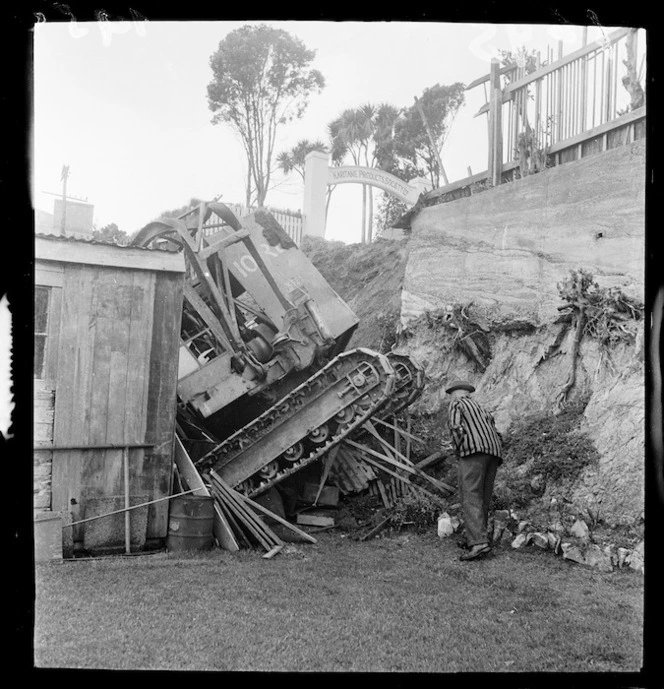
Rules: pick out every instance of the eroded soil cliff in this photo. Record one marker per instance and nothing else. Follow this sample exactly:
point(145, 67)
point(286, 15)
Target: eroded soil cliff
point(520, 370)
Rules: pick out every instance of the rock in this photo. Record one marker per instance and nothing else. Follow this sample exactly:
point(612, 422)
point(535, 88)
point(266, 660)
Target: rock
point(557, 528)
point(573, 552)
point(540, 540)
point(579, 529)
point(520, 540)
point(501, 515)
point(498, 528)
point(595, 557)
point(623, 554)
point(635, 559)
point(641, 549)
point(507, 536)
point(523, 526)
point(636, 563)
point(610, 552)
point(445, 526)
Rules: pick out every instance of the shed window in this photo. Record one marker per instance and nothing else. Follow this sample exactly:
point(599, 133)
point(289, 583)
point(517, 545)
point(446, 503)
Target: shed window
point(42, 295)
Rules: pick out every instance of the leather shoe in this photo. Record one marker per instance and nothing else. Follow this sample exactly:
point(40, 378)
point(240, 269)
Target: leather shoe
point(476, 551)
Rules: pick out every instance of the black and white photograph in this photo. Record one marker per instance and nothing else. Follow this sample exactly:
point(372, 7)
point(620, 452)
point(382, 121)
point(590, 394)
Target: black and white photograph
point(345, 356)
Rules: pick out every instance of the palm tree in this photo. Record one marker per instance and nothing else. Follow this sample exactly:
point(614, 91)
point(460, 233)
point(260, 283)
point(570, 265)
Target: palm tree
point(362, 133)
point(293, 160)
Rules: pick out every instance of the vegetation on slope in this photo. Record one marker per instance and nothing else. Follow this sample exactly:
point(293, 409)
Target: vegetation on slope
point(369, 278)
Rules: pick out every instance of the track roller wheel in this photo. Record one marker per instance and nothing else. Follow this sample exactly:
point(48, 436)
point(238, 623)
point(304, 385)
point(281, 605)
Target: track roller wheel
point(247, 486)
point(361, 407)
point(320, 434)
point(294, 452)
point(344, 416)
point(269, 471)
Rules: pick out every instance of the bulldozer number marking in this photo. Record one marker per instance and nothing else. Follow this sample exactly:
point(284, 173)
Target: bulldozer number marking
point(247, 264)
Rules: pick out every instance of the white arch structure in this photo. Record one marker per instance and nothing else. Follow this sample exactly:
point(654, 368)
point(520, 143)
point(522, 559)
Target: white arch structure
point(318, 175)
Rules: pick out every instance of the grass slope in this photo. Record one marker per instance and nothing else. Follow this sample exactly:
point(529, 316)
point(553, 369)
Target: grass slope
point(369, 278)
point(397, 604)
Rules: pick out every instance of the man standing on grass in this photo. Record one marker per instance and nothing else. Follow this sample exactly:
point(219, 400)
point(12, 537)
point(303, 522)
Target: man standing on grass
point(479, 448)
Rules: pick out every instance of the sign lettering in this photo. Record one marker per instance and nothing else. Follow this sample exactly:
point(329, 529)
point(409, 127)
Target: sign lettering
point(365, 175)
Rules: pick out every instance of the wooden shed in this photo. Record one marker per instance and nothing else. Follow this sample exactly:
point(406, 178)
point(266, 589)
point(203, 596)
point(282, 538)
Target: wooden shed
point(107, 328)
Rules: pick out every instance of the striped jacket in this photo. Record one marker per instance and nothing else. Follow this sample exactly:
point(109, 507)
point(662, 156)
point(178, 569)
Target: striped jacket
point(473, 428)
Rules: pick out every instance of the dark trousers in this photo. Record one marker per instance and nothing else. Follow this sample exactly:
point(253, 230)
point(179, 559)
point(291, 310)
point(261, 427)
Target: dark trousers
point(477, 473)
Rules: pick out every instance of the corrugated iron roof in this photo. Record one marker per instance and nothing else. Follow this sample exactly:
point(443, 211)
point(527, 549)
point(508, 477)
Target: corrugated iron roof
point(85, 240)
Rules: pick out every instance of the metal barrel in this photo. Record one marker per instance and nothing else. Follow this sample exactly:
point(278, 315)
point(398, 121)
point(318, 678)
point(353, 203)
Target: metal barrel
point(190, 523)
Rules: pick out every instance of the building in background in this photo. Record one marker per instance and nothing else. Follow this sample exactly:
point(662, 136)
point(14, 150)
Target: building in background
point(77, 218)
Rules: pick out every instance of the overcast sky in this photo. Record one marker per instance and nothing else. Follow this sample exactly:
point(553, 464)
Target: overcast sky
point(125, 105)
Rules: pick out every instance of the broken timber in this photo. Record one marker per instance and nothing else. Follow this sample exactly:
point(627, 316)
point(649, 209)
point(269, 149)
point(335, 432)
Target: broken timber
point(257, 507)
point(232, 501)
point(409, 468)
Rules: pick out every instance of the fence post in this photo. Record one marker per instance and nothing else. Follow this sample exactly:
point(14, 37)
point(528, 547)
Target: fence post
point(495, 125)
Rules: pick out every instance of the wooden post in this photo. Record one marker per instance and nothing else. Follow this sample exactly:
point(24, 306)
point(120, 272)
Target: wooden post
point(127, 521)
point(364, 214)
point(559, 108)
point(609, 95)
point(495, 127)
point(584, 81)
point(64, 176)
point(408, 427)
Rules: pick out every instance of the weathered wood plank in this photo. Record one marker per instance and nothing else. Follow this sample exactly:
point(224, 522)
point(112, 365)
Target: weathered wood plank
point(161, 383)
point(43, 431)
point(74, 334)
point(53, 338)
point(258, 507)
point(99, 365)
point(612, 38)
point(310, 519)
point(49, 273)
point(107, 255)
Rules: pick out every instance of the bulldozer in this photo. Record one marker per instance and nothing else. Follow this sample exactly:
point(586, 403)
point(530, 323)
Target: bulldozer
point(266, 382)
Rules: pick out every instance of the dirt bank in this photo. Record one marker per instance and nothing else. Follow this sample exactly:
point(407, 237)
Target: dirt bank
point(369, 277)
point(520, 371)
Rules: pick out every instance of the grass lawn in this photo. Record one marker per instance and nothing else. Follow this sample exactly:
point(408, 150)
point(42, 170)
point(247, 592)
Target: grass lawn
point(403, 603)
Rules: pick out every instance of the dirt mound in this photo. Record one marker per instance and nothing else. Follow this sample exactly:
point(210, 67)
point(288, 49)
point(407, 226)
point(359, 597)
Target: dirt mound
point(369, 277)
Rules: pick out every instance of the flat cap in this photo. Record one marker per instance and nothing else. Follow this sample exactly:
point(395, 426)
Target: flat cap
point(459, 385)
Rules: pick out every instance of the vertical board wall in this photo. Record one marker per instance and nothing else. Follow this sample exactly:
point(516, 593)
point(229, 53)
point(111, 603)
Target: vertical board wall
point(116, 384)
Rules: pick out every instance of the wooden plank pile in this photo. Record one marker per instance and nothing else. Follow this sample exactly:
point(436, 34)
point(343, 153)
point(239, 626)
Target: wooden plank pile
point(372, 461)
point(391, 491)
point(395, 474)
point(239, 521)
point(244, 518)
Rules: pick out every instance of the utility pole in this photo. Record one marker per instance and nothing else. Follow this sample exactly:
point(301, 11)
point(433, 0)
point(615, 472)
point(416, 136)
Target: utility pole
point(63, 178)
point(431, 139)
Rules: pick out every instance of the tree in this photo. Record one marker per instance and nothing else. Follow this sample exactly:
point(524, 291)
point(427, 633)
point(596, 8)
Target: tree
point(440, 104)
point(111, 235)
point(364, 134)
point(397, 141)
point(293, 160)
point(261, 80)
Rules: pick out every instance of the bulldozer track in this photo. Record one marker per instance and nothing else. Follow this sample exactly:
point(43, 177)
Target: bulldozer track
point(305, 424)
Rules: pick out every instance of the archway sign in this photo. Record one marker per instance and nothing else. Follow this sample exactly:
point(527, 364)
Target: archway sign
point(318, 175)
